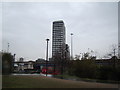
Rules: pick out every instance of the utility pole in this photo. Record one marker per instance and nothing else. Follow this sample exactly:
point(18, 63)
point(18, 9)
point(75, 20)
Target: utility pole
point(47, 56)
point(71, 46)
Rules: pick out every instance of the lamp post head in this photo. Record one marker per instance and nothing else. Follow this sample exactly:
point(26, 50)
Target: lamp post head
point(47, 39)
point(14, 54)
point(71, 34)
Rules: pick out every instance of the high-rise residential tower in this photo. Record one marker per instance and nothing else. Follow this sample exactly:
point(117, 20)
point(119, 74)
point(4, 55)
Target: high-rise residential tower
point(58, 39)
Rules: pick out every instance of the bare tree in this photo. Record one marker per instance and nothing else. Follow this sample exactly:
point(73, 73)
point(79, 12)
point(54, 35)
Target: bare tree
point(119, 50)
point(114, 50)
point(77, 57)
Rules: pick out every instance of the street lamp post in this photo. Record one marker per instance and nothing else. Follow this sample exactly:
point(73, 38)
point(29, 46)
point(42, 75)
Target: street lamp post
point(13, 62)
point(71, 47)
point(47, 55)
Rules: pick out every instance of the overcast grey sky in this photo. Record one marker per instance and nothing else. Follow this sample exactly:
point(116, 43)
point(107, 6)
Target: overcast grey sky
point(27, 25)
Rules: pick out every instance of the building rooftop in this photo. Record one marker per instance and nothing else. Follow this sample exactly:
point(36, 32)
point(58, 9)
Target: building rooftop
point(59, 21)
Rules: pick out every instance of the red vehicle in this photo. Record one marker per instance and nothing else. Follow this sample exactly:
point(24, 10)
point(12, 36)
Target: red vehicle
point(50, 70)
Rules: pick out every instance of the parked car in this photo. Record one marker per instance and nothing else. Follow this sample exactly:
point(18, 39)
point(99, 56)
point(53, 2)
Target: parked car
point(49, 70)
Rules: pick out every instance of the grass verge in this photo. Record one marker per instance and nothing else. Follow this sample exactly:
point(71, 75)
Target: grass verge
point(12, 81)
point(68, 77)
